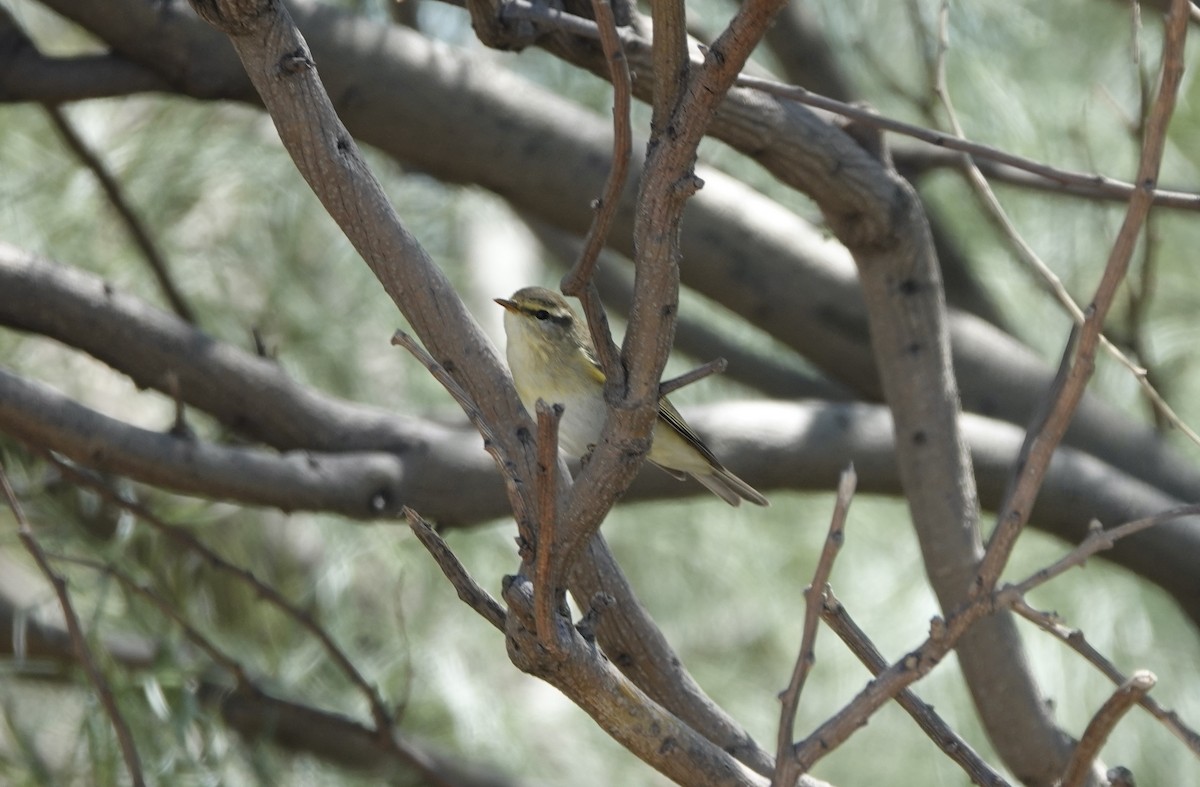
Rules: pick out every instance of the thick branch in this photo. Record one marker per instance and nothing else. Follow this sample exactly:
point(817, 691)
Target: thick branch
point(797, 446)
point(467, 120)
point(277, 60)
point(359, 485)
point(638, 723)
point(28, 75)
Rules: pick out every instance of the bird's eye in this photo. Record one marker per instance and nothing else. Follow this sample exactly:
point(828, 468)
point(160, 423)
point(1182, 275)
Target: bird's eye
point(542, 314)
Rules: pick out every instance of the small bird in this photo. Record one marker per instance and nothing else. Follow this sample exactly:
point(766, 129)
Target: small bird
point(551, 357)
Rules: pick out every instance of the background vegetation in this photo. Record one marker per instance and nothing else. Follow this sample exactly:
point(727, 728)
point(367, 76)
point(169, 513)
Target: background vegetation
point(256, 256)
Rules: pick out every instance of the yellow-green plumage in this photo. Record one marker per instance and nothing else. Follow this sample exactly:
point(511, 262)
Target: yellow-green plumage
point(550, 356)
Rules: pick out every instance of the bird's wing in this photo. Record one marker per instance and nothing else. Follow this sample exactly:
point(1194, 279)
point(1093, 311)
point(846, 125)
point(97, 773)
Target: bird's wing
point(666, 412)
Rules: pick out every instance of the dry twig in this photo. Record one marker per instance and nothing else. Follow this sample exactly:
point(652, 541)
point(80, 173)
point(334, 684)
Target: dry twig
point(1075, 639)
point(475, 416)
point(580, 274)
point(715, 366)
point(944, 634)
point(786, 771)
point(1102, 724)
point(578, 280)
point(129, 217)
point(1070, 182)
point(938, 731)
point(468, 589)
point(995, 211)
point(1015, 512)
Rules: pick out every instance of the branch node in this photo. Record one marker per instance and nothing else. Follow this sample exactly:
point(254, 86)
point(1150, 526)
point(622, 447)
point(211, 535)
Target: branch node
point(587, 624)
point(295, 62)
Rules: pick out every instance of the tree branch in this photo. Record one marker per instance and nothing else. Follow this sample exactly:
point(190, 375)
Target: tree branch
point(468, 589)
point(360, 485)
point(277, 60)
point(619, 707)
point(1042, 443)
point(813, 304)
point(786, 772)
point(796, 446)
point(28, 75)
point(1075, 639)
point(946, 739)
point(552, 559)
point(945, 635)
point(1102, 724)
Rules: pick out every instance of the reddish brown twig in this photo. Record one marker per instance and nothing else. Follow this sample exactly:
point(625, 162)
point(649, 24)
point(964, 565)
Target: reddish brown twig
point(715, 366)
point(578, 281)
point(786, 770)
point(580, 275)
point(547, 593)
point(1102, 724)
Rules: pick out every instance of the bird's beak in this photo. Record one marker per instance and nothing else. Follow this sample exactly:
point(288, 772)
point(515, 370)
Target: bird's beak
point(507, 304)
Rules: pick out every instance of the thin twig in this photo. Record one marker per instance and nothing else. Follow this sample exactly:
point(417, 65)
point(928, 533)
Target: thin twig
point(246, 687)
point(786, 772)
point(547, 593)
point(475, 416)
point(379, 711)
point(1141, 295)
point(944, 737)
point(580, 274)
point(402, 339)
point(1075, 639)
point(606, 349)
point(944, 635)
point(578, 281)
point(1025, 253)
point(715, 366)
point(1097, 540)
point(78, 640)
point(137, 231)
point(468, 589)
point(1102, 724)
point(1015, 512)
point(1081, 184)
point(1089, 183)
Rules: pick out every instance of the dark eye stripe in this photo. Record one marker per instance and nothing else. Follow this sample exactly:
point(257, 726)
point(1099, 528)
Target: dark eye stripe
point(542, 315)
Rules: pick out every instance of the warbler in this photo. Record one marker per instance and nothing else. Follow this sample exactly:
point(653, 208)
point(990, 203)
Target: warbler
point(551, 357)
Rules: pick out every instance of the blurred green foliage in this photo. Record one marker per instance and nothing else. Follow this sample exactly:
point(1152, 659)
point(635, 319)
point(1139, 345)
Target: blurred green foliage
point(251, 248)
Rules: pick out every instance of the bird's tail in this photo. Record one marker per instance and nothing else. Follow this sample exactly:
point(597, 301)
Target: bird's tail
point(729, 487)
